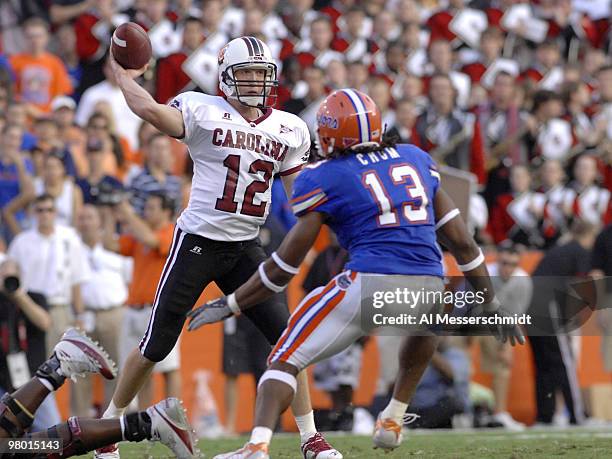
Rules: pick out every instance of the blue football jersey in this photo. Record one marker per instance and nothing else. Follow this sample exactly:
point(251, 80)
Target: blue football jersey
point(380, 205)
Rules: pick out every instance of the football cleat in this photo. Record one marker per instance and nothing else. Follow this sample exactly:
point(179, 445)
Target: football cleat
point(316, 447)
point(169, 425)
point(248, 451)
point(388, 433)
point(79, 355)
point(108, 452)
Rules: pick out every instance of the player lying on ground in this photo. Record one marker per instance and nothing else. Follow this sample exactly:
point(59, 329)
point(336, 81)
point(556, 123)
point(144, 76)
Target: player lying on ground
point(76, 355)
point(238, 143)
point(386, 207)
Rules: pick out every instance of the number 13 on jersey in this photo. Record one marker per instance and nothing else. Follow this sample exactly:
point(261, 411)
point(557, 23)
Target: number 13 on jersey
point(414, 207)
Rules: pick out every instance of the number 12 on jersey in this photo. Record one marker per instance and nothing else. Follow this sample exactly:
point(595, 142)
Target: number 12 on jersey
point(228, 202)
point(414, 208)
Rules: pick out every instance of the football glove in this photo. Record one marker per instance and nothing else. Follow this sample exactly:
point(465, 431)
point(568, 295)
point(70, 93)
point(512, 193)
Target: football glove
point(209, 313)
point(508, 332)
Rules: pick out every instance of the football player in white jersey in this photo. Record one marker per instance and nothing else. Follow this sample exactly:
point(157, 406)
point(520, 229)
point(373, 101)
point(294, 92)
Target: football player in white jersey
point(238, 143)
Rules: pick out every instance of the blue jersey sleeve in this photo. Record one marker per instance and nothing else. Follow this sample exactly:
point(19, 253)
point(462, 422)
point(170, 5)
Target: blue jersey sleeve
point(308, 194)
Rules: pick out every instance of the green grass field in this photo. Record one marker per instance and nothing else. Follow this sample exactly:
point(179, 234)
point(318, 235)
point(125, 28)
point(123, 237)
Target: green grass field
point(577, 443)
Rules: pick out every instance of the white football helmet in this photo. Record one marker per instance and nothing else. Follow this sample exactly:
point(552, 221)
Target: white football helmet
point(248, 52)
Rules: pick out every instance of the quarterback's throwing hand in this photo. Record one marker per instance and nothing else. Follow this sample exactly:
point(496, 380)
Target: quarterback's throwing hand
point(209, 313)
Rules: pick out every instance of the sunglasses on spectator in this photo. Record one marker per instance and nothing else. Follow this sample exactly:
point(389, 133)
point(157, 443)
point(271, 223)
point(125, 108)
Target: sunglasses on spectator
point(40, 210)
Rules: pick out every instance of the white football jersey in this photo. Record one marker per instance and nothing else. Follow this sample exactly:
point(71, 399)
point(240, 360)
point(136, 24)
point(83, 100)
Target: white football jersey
point(235, 161)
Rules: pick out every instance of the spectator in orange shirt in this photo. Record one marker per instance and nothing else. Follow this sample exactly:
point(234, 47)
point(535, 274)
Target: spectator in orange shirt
point(40, 75)
point(148, 241)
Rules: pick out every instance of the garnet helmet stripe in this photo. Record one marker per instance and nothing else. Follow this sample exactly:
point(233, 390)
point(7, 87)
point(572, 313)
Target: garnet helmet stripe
point(249, 46)
point(257, 47)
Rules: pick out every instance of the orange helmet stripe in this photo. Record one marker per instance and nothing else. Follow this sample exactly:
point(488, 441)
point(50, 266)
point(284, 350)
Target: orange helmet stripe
point(362, 115)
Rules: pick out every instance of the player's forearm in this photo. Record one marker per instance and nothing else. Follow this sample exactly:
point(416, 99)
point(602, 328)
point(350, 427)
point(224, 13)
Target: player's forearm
point(166, 119)
point(254, 291)
point(276, 272)
point(138, 99)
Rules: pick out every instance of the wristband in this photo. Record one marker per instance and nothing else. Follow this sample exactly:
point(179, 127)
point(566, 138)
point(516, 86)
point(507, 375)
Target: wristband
point(267, 282)
point(233, 304)
point(475, 263)
point(284, 266)
point(448, 217)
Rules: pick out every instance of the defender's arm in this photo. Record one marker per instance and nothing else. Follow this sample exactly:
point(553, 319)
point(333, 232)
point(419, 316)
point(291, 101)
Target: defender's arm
point(167, 119)
point(275, 273)
point(272, 276)
point(452, 233)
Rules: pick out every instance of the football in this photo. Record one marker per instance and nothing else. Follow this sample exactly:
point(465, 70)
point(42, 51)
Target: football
point(131, 46)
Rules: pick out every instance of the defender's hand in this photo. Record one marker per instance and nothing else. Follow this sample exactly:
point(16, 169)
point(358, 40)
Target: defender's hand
point(503, 333)
point(212, 312)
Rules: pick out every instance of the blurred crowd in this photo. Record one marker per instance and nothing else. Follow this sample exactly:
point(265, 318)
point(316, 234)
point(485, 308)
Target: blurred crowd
point(517, 94)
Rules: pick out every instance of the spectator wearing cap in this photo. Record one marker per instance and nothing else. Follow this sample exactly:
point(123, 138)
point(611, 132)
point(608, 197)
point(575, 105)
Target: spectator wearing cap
point(156, 177)
point(585, 199)
point(104, 296)
point(73, 138)
point(170, 78)
point(51, 261)
point(450, 135)
point(15, 179)
point(107, 91)
point(316, 50)
point(36, 65)
point(98, 187)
